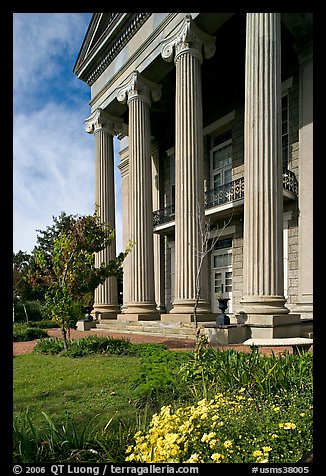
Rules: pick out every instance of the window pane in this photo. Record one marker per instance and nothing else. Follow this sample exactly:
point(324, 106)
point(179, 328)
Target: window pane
point(217, 181)
point(227, 176)
point(228, 281)
point(218, 283)
point(284, 101)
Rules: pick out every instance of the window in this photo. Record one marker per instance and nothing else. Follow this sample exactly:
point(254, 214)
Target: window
point(221, 160)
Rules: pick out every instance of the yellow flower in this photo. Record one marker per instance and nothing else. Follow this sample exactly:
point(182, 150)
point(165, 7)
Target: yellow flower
point(242, 389)
point(302, 414)
point(227, 444)
point(266, 449)
point(208, 437)
point(257, 453)
point(274, 436)
point(217, 457)
point(288, 426)
point(276, 409)
point(194, 458)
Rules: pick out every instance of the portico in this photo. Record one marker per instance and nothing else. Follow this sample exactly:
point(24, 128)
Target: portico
point(157, 98)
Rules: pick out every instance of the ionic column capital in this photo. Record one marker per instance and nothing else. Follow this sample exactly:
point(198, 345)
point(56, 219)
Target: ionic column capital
point(188, 39)
point(138, 87)
point(102, 121)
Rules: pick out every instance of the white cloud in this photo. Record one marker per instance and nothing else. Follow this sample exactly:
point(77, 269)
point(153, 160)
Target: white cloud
point(40, 40)
point(54, 157)
point(53, 169)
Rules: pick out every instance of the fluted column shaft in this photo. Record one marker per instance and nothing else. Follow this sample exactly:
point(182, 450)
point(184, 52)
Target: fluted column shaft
point(189, 42)
point(103, 127)
point(263, 200)
point(137, 91)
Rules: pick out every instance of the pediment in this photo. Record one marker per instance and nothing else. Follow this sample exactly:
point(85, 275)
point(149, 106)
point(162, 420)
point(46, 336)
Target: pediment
point(98, 27)
point(106, 36)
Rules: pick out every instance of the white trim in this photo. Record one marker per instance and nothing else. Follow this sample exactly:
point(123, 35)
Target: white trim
point(287, 84)
point(229, 230)
point(219, 123)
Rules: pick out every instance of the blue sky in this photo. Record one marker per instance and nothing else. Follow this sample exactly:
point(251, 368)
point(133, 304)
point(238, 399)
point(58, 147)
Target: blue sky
point(53, 156)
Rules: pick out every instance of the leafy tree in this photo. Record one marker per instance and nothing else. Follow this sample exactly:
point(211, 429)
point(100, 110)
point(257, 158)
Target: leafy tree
point(68, 269)
point(23, 263)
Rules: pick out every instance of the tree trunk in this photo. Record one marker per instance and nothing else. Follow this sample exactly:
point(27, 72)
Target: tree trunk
point(64, 335)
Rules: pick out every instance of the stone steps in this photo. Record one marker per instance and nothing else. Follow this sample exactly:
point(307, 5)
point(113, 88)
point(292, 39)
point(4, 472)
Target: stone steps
point(175, 330)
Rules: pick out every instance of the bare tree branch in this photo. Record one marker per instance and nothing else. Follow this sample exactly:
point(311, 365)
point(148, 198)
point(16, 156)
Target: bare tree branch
point(206, 245)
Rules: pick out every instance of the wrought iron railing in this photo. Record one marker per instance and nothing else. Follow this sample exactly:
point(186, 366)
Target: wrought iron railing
point(164, 215)
point(227, 193)
point(290, 181)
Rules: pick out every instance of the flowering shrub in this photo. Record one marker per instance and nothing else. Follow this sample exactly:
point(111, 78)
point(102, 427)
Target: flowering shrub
point(226, 429)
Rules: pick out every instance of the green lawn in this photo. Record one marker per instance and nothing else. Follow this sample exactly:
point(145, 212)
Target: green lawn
point(84, 387)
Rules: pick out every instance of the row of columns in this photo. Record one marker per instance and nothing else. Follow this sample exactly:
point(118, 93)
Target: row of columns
point(263, 256)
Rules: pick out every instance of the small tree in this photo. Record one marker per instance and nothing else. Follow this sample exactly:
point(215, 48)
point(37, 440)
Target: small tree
point(206, 246)
point(69, 271)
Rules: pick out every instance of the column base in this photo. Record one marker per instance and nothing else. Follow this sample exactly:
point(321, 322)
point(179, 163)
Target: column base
point(187, 317)
point(138, 317)
point(106, 311)
point(140, 311)
point(274, 326)
point(264, 305)
point(186, 306)
point(268, 318)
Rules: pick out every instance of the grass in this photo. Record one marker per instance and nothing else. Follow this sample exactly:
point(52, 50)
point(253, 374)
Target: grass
point(94, 385)
point(84, 406)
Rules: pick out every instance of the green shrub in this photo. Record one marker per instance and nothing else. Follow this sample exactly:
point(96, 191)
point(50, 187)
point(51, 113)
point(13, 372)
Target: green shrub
point(97, 345)
point(212, 370)
point(23, 333)
point(65, 443)
point(44, 324)
point(52, 346)
point(158, 381)
point(85, 346)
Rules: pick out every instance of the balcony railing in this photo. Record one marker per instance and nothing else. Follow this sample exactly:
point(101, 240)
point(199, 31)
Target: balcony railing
point(164, 215)
point(227, 193)
point(290, 181)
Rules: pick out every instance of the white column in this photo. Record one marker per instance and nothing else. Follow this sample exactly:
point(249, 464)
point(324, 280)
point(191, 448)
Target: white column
point(263, 290)
point(138, 91)
point(158, 239)
point(306, 258)
point(186, 47)
point(124, 169)
point(104, 126)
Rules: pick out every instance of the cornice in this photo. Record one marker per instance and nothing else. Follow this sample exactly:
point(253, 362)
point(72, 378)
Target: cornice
point(133, 58)
point(117, 45)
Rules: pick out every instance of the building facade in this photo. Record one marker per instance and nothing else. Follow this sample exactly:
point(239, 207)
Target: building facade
point(214, 116)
